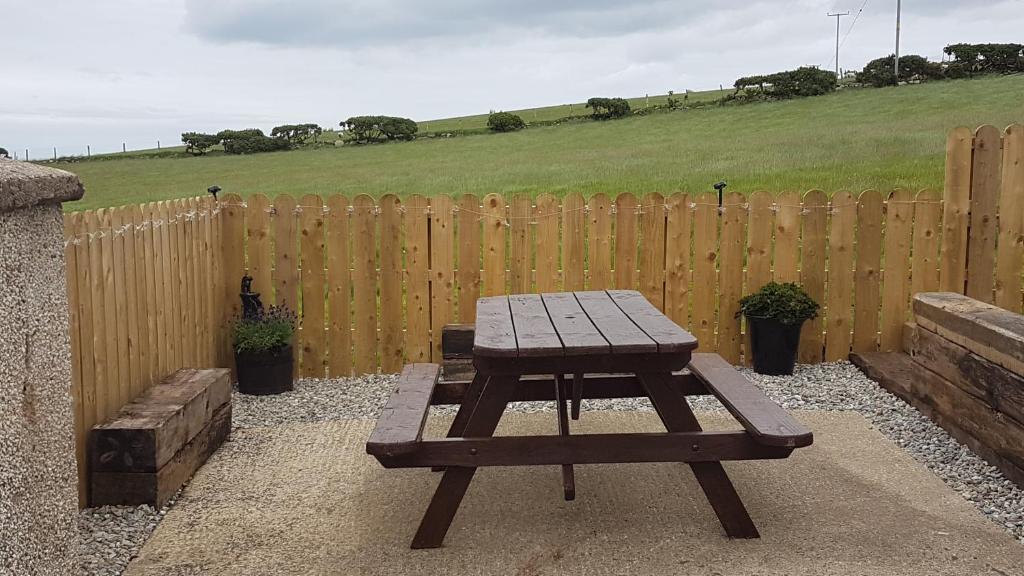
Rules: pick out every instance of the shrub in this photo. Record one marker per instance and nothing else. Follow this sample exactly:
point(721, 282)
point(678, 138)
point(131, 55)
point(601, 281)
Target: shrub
point(250, 141)
point(4, 153)
point(197, 143)
point(268, 331)
point(879, 72)
point(608, 108)
point(804, 81)
point(370, 129)
point(296, 134)
point(785, 303)
point(505, 122)
point(983, 58)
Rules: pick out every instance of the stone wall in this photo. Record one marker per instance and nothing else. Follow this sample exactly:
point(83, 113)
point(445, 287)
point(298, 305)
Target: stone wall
point(38, 480)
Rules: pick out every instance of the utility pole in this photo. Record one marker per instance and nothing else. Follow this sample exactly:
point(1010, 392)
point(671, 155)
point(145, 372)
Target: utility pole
point(896, 66)
point(837, 16)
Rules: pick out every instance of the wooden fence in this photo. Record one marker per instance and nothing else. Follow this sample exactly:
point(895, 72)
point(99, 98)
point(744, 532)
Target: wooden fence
point(373, 281)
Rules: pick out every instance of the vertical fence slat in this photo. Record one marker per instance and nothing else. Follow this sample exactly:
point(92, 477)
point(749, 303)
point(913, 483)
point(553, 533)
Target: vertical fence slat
point(132, 271)
point(733, 218)
point(158, 301)
point(925, 248)
point(364, 283)
point(217, 270)
point(899, 212)
point(208, 282)
point(812, 271)
point(759, 243)
point(417, 282)
point(494, 245)
point(285, 261)
point(186, 316)
point(651, 275)
point(124, 356)
point(260, 261)
point(442, 273)
point(143, 287)
point(520, 266)
point(90, 309)
point(311, 255)
point(599, 242)
point(626, 206)
point(111, 384)
point(339, 292)
point(1010, 257)
point(546, 217)
point(194, 280)
point(956, 210)
point(678, 232)
point(705, 281)
point(839, 301)
point(71, 225)
point(233, 257)
point(468, 248)
point(787, 237)
point(867, 279)
point(981, 244)
point(573, 255)
point(392, 341)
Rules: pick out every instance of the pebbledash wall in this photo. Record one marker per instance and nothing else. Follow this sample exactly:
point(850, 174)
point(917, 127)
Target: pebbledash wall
point(38, 483)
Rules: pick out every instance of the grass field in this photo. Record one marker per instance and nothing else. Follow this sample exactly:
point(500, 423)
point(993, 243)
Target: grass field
point(854, 139)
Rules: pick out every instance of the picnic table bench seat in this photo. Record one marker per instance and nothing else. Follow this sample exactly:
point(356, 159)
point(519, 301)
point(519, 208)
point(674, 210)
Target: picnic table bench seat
point(400, 425)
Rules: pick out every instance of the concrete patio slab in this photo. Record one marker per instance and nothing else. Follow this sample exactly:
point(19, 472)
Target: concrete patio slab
point(307, 500)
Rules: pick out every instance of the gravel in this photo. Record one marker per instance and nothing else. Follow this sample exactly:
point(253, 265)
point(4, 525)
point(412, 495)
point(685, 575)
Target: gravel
point(112, 536)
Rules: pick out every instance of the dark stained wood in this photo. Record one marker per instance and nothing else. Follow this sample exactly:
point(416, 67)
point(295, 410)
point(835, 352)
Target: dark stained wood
point(457, 341)
point(468, 402)
point(535, 334)
point(400, 425)
point(578, 333)
point(604, 363)
point(765, 420)
point(495, 335)
point(595, 386)
point(568, 476)
point(577, 394)
point(666, 333)
point(622, 334)
point(146, 433)
point(986, 330)
point(156, 488)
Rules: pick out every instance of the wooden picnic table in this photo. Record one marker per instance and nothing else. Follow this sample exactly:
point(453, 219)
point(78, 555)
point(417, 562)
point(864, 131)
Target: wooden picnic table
point(566, 347)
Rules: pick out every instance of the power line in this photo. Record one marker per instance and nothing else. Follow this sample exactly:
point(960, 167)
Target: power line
point(837, 16)
point(856, 18)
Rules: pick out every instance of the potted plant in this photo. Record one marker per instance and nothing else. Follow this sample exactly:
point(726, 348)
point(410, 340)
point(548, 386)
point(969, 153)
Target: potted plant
point(775, 314)
point(262, 340)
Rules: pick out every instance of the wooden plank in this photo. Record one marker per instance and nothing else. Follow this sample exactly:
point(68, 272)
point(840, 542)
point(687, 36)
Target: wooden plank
point(899, 213)
point(261, 260)
point(417, 281)
point(678, 242)
point(577, 332)
point(956, 200)
point(520, 259)
point(705, 280)
point(734, 219)
point(339, 288)
point(207, 282)
point(392, 338)
point(232, 256)
point(1010, 255)
point(469, 260)
point(981, 242)
point(457, 341)
point(364, 283)
point(867, 273)
point(839, 300)
point(90, 310)
point(651, 274)
point(134, 280)
point(599, 242)
point(812, 272)
point(220, 332)
point(787, 237)
point(626, 207)
point(113, 384)
point(535, 334)
point(924, 252)
point(987, 330)
point(312, 345)
point(442, 239)
point(541, 388)
point(157, 303)
point(766, 421)
point(545, 214)
point(495, 335)
point(494, 245)
point(286, 274)
point(195, 334)
point(72, 225)
point(622, 334)
point(400, 426)
point(180, 288)
point(669, 337)
point(759, 240)
point(172, 316)
point(573, 254)
point(120, 292)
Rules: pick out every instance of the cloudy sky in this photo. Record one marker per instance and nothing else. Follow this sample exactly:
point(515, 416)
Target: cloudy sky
point(104, 72)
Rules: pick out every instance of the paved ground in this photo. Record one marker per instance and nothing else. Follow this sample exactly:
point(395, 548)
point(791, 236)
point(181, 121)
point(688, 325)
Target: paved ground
point(306, 499)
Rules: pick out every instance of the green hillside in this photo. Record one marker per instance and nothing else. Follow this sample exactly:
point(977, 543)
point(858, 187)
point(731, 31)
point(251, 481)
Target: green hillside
point(853, 139)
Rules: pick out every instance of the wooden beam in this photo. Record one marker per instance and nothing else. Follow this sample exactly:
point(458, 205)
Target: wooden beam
point(542, 388)
point(986, 330)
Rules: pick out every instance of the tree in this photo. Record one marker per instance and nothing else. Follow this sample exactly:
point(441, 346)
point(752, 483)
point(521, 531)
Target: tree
point(250, 141)
point(296, 134)
point(505, 122)
point(3, 153)
point(804, 81)
point(879, 72)
point(197, 143)
point(370, 129)
point(973, 59)
point(608, 108)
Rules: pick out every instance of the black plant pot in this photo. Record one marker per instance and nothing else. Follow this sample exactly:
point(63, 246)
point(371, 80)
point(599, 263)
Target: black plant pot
point(265, 372)
point(773, 345)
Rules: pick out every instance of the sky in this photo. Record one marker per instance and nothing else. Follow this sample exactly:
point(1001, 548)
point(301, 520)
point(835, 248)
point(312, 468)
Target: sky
point(105, 72)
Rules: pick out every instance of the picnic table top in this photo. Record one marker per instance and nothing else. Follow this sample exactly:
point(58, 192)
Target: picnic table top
point(608, 322)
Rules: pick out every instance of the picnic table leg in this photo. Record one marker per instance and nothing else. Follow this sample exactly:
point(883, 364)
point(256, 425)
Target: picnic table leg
point(568, 475)
point(485, 413)
point(677, 416)
point(469, 401)
point(577, 394)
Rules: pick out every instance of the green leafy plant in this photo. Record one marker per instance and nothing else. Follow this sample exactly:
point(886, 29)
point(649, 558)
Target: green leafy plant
point(608, 108)
point(270, 331)
point(197, 143)
point(250, 141)
point(370, 129)
point(804, 81)
point(785, 303)
point(505, 122)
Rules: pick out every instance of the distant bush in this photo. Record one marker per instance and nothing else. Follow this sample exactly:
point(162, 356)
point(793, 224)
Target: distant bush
point(370, 129)
point(608, 108)
point(250, 141)
point(971, 59)
point(879, 72)
point(297, 134)
point(197, 143)
point(3, 153)
point(505, 122)
point(804, 81)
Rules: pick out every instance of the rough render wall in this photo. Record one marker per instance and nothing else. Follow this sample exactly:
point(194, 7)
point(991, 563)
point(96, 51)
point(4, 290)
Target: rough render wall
point(38, 482)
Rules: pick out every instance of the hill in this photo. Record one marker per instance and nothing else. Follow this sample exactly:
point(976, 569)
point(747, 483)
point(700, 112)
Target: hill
point(853, 139)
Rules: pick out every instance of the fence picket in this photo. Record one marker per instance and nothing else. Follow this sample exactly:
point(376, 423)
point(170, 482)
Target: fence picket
point(759, 243)
point(158, 302)
point(626, 206)
point(339, 288)
point(133, 272)
point(417, 282)
point(392, 340)
point(520, 264)
point(651, 274)
point(545, 214)
point(286, 275)
point(124, 377)
point(364, 283)
point(1010, 257)
point(956, 207)
point(599, 246)
point(94, 319)
point(311, 264)
point(468, 273)
point(233, 257)
point(899, 213)
point(733, 218)
point(867, 278)
point(442, 275)
point(494, 245)
point(812, 271)
point(258, 247)
point(678, 232)
point(72, 225)
point(787, 237)
point(573, 254)
point(925, 249)
point(981, 243)
point(705, 281)
point(839, 302)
